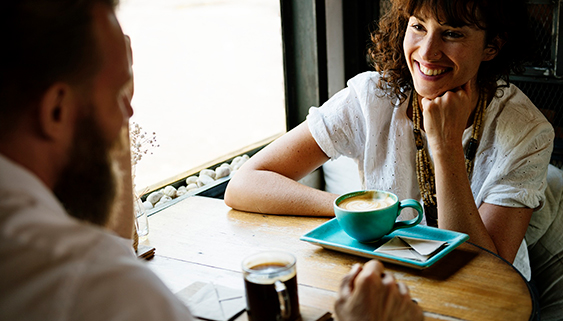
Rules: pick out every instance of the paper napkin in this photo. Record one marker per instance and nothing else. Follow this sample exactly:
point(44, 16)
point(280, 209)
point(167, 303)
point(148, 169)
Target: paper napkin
point(411, 248)
point(215, 302)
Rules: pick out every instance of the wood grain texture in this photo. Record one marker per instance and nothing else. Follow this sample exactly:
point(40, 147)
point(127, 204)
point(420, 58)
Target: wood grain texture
point(202, 239)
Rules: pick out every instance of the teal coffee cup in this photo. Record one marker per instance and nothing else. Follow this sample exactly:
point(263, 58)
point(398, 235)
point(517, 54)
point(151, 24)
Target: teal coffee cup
point(369, 215)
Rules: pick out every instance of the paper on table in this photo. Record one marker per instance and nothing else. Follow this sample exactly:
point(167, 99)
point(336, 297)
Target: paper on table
point(216, 302)
point(411, 248)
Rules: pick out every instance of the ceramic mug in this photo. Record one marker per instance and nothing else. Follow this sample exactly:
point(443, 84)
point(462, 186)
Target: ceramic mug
point(369, 215)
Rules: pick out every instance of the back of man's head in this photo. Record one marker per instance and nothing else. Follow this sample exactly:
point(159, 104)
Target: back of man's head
point(44, 41)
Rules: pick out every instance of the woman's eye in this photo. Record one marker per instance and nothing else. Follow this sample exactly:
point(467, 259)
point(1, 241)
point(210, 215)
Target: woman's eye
point(417, 27)
point(453, 34)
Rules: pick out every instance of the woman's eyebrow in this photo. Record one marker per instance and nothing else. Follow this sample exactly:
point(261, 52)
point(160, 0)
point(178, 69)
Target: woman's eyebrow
point(418, 17)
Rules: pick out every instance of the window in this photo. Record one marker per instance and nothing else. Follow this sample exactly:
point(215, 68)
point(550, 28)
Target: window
point(208, 81)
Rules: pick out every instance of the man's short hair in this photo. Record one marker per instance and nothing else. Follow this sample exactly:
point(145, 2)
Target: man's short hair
point(44, 41)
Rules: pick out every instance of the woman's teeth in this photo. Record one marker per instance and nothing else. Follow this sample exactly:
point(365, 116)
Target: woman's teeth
point(431, 72)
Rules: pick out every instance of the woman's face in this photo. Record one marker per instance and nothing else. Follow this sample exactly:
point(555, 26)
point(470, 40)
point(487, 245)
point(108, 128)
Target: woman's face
point(442, 58)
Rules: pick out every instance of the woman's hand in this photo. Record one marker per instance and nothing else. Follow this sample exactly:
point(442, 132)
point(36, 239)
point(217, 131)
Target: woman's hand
point(446, 117)
point(369, 293)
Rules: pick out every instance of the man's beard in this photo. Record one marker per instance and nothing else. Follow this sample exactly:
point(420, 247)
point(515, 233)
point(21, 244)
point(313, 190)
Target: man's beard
point(88, 185)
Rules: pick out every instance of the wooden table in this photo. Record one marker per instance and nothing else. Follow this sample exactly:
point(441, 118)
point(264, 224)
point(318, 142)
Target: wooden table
point(202, 239)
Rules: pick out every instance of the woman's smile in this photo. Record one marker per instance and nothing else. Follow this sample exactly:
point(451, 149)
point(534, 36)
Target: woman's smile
point(431, 71)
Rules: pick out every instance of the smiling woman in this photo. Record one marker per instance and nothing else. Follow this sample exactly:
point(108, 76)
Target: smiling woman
point(208, 81)
point(441, 57)
point(438, 121)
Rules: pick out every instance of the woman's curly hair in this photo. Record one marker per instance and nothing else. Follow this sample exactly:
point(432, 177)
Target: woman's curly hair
point(504, 21)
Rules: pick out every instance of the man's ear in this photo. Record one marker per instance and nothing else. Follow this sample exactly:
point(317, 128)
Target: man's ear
point(492, 49)
point(56, 111)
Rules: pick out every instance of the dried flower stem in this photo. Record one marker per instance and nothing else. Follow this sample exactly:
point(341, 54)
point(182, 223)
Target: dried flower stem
point(141, 145)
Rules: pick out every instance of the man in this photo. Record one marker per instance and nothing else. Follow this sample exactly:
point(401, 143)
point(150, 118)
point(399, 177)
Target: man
point(65, 77)
point(64, 74)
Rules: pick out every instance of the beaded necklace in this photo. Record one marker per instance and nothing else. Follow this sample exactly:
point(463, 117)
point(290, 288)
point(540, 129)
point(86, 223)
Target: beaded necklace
point(424, 168)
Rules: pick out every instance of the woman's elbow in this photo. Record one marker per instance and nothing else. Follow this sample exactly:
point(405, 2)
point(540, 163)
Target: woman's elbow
point(234, 191)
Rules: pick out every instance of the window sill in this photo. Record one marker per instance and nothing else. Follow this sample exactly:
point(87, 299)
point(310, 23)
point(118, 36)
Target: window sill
point(214, 190)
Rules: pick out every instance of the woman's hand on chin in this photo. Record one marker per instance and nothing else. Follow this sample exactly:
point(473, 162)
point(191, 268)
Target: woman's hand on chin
point(446, 117)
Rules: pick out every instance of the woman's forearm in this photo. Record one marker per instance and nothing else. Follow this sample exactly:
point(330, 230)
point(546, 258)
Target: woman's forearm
point(268, 192)
point(268, 182)
point(456, 206)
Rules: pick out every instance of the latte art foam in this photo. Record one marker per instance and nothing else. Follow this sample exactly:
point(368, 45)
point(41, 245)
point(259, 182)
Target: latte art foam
point(366, 203)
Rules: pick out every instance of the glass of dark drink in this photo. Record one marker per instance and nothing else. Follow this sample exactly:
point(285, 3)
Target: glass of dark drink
point(270, 280)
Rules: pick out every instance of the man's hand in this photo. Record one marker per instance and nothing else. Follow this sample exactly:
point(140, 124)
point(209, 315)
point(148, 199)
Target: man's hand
point(368, 294)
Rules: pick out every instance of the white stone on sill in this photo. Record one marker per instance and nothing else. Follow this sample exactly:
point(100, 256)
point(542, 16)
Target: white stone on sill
point(148, 205)
point(222, 171)
point(191, 186)
point(239, 161)
point(163, 200)
point(207, 172)
point(181, 191)
point(236, 160)
point(155, 197)
point(191, 180)
point(204, 180)
point(170, 191)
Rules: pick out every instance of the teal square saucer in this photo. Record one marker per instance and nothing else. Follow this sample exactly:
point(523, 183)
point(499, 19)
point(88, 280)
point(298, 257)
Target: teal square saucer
point(331, 236)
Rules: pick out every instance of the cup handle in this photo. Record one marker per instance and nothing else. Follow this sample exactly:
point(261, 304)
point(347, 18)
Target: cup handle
point(410, 223)
point(285, 306)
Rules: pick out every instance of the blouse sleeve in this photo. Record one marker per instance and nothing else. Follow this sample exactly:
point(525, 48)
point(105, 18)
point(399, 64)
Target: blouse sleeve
point(339, 125)
point(523, 143)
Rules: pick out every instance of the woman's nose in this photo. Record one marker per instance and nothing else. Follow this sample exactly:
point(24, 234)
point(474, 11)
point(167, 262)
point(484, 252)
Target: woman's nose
point(431, 47)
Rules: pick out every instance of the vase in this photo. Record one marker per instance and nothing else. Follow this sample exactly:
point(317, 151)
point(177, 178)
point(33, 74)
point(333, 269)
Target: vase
point(141, 219)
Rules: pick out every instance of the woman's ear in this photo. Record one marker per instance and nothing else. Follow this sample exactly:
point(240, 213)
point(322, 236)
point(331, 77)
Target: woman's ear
point(56, 111)
point(493, 48)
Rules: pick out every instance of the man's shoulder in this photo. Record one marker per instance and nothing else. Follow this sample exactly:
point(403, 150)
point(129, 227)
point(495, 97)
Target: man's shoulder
point(81, 267)
point(31, 224)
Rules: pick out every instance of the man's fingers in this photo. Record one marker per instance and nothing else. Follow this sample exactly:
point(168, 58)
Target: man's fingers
point(370, 278)
point(374, 266)
point(403, 289)
point(347, 284)
point(389, 280)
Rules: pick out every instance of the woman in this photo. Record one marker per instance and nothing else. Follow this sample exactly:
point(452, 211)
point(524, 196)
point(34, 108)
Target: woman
point(437, 121)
